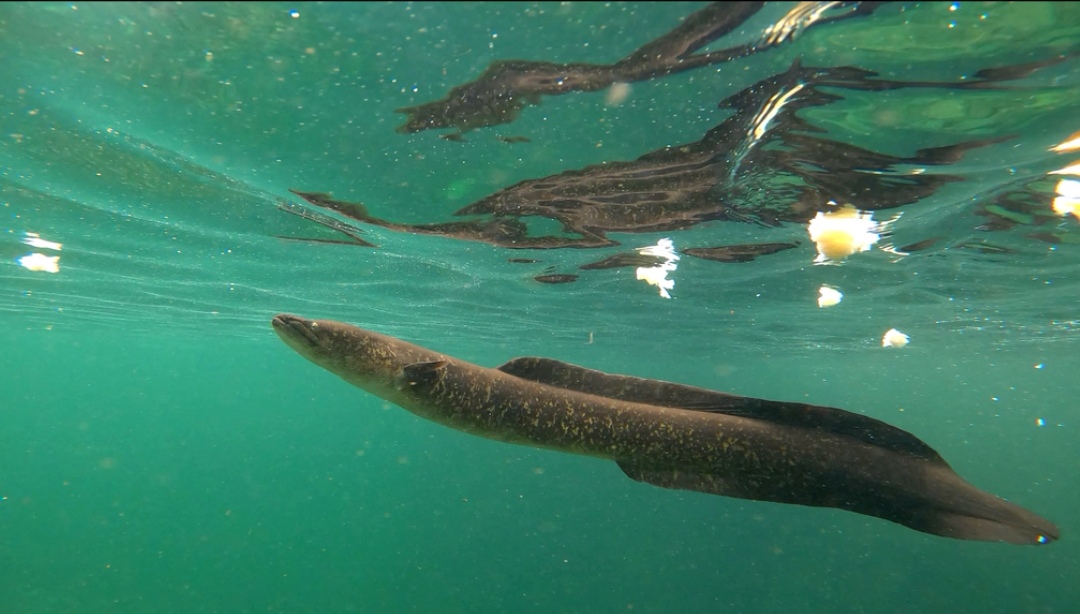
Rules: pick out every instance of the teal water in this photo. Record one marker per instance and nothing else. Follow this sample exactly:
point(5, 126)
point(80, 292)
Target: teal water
point(162, 451)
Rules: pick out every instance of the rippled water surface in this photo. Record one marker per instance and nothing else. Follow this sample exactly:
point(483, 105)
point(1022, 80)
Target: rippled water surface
point(162, 451)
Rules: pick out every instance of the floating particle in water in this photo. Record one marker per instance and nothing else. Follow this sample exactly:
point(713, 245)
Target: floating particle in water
point(40, 263)
point(846, 231)
point(894, 339)
point(827, 297)
point(33, 239)
point(617, 94)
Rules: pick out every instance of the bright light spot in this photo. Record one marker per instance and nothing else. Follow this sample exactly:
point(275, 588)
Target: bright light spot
point(41, 263)
point(772, 109)
point(617, 94)
point(827, 297)
point(658, 275)
point(295, 14)
point(1040, 422)
point(894, 339)
point(1072, 169)
point(1069, 144)
point(1068, 198)
point(1040, 366)
point(843, 232)
point(794, 22)
point(33, 239)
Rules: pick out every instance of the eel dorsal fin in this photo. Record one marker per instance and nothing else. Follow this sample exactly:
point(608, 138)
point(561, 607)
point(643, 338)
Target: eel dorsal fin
point(668, 394)
point(424, 374)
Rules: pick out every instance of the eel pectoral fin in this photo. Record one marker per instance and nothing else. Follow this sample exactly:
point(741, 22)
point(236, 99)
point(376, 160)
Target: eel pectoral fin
point(424, 373)
point(680, 396)
point(686, 480)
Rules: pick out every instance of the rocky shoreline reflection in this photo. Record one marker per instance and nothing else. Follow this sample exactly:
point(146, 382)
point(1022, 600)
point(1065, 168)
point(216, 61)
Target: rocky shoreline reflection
point(767, 163)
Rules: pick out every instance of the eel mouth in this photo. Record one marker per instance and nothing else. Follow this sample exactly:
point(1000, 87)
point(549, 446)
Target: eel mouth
point(296, 329)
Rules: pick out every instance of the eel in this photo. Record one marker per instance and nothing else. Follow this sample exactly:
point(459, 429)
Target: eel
point(673, 435)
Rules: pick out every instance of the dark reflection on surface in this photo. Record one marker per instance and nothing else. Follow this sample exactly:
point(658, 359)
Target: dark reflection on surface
point(983, 247)
point(1034, 205)
point(325, 221)
point(556, 278)
point(763, 164)
point(507, 86)
point(738, 253)
point(499, 231)
point(514, 139)
point(1027, 204)
point(627, 259)
point(919, 246)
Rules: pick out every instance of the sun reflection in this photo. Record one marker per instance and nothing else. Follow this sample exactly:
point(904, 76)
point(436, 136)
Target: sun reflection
point(795, 21)
point(37, 261)
point(40, 263)
point(33, 239)
point(658, 275)
point(846, 231)
point(1069, 144)
point(827, 297)
point(1068, 198)
point(894, 339)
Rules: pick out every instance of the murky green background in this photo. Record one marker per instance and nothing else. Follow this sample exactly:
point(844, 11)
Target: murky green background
point(162, 451)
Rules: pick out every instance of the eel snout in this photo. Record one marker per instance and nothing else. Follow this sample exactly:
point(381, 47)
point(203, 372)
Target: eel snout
point(295, 328)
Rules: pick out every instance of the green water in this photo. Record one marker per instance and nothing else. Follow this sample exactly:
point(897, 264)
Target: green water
point(162, 451)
